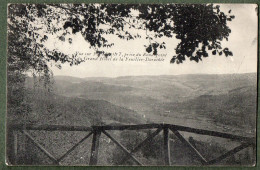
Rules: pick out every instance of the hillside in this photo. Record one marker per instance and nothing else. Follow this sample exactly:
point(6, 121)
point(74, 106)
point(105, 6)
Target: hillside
point(50, 108)
point(230, 112)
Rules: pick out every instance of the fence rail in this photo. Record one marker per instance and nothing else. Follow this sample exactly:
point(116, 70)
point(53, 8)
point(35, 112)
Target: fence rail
point(96, 132)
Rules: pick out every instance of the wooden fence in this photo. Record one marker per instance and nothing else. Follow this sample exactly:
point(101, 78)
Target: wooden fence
point(96, 131)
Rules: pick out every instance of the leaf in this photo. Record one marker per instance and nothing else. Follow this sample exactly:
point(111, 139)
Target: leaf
point(173, 59)
point(62, 38)
point(70, 40)
point(205, 54)
point(149, 49)
point(67, 24)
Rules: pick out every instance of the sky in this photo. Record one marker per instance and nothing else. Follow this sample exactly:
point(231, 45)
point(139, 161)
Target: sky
point(242, 42)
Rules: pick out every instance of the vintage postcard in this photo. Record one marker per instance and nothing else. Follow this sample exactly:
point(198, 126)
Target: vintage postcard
point(132, 84)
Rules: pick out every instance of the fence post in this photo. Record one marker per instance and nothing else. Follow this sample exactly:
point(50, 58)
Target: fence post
point(94, 148)
point(15, 149)
point(11, 145)
point(166, 146)
point(254, 154)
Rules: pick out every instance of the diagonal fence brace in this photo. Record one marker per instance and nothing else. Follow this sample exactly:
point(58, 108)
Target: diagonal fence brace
point(190, 146)
point(122, 147)
point(147, 139)
point(229, 153)
point(74, 147)
point(41, 147)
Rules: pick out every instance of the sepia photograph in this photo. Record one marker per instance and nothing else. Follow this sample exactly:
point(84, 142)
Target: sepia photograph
point(106, 84)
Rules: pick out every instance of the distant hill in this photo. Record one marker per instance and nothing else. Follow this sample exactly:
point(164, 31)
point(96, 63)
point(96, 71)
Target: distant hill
point(167, 88)
point(72, 89)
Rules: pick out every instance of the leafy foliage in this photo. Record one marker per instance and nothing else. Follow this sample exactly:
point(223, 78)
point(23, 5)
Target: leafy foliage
point(199, 27)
